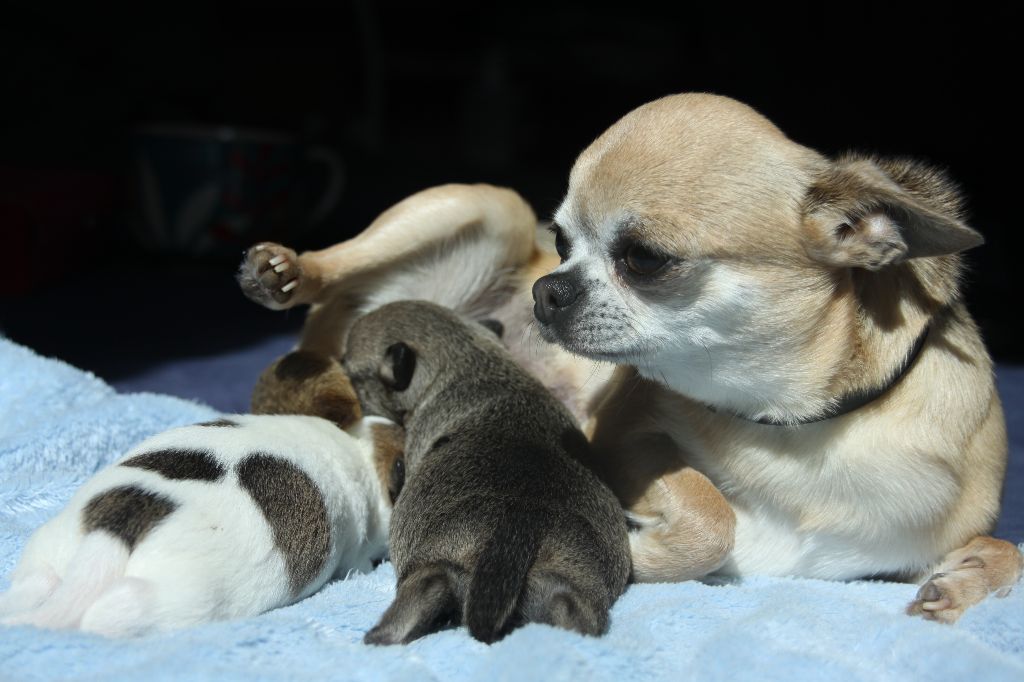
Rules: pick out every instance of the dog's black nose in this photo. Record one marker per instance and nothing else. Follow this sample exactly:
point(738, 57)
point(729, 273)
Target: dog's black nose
point(552, 295)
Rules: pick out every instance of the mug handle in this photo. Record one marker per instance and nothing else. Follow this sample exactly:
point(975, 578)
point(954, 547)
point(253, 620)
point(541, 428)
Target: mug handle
point(335, 181)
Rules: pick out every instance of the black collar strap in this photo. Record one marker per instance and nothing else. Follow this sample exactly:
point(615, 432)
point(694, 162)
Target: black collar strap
point(857, 399)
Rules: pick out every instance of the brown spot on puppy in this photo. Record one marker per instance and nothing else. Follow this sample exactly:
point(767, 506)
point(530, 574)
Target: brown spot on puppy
point(389, 457)
point(301, 365)
point(219, 422)
point(294, 508)
point(179, 465)
point(336, 406)
point(304, 382)
point(127, 512)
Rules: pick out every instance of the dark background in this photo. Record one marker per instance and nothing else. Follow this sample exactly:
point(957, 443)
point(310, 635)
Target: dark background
point(420, 94)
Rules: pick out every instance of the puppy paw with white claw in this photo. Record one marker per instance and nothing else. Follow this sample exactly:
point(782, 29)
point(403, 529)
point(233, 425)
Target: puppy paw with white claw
point(270, 274)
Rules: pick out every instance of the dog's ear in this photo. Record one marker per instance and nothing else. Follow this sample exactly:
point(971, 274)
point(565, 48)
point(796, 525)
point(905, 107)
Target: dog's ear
point(397, 367)
point(869, 213)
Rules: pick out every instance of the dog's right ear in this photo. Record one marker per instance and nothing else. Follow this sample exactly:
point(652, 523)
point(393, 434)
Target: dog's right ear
point(397, 367)
point(867, 213)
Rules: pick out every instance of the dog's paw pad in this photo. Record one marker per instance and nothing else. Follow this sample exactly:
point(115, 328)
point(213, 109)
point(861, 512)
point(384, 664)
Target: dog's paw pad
point(270, 275)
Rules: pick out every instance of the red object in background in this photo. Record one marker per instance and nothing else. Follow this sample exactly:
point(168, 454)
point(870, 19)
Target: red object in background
point(54, 222)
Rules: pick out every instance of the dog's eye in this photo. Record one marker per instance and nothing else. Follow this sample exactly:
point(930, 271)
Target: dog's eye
point(642, 261)
point(396, 480)
point(561, 245)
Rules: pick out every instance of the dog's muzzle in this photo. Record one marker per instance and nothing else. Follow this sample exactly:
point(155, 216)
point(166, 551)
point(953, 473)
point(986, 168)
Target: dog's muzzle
point(553, 296)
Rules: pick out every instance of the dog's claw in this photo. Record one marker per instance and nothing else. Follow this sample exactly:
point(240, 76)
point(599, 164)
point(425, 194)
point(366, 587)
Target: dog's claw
point(270, 274)
point(983, 567)
point(938, 600)
point(936, 605)
point(929, 593)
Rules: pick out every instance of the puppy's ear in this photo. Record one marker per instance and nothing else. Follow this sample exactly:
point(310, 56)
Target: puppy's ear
point(869, 213)
point(495, 326)
point(397, 367)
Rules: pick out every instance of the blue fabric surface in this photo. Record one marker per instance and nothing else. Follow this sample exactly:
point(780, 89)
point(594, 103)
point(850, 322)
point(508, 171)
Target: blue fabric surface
point(58, 425)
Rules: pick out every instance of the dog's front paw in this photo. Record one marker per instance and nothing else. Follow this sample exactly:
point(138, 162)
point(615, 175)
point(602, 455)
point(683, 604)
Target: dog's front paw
point(270, 274)
point(945, 596)
point(966, 576)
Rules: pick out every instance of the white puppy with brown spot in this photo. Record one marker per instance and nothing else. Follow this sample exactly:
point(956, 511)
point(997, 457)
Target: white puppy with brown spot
point(210, 522)
point(800, 389)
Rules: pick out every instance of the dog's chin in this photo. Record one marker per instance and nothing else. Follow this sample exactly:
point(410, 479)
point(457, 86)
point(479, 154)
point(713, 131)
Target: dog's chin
point(586, 347)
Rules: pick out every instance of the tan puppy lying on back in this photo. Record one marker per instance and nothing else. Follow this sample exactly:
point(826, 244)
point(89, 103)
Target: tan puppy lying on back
point(799, 390)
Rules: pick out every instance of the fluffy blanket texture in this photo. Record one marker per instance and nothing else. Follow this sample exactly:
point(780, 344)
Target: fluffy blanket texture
point(58, 425)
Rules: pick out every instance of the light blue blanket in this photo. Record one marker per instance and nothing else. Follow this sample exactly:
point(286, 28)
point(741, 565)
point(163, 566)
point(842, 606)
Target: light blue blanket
point(59, 425)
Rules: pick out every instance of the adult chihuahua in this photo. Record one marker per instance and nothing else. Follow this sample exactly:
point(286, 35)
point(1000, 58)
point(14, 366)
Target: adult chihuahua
point(797, 386)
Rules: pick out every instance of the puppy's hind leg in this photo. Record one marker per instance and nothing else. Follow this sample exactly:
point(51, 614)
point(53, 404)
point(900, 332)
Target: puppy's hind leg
point(553, 599)
point(425, 597)
point(28, 591)
point(965, 577)
point(126, 609)
point(44, 562)
point(99, 561)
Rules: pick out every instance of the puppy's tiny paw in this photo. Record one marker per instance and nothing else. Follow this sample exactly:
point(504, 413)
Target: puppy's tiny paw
point(270, 274)
point(379, 636)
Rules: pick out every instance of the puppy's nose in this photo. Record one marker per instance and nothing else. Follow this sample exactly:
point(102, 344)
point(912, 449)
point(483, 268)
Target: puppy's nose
point(552, 295)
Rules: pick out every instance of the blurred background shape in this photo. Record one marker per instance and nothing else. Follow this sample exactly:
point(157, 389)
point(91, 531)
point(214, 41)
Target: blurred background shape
point(141, 150)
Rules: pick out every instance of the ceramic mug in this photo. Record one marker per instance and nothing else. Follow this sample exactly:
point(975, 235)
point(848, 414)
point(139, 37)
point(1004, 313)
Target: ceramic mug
point(204, 190)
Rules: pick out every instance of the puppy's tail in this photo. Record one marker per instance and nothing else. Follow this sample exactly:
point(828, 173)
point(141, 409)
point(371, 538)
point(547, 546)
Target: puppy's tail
point(500, 574)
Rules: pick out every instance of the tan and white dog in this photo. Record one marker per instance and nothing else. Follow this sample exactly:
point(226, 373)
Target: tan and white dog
point(767, 347)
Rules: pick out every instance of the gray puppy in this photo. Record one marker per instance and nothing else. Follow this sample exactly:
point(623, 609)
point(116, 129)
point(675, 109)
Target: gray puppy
point(499, 522)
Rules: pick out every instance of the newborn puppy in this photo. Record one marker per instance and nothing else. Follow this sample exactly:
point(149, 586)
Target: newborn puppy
point(220, 520)
point(499, 522)
point(304, 382)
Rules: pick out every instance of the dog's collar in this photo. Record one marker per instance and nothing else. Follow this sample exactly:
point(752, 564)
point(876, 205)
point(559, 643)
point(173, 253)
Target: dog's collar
point(857, 399)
